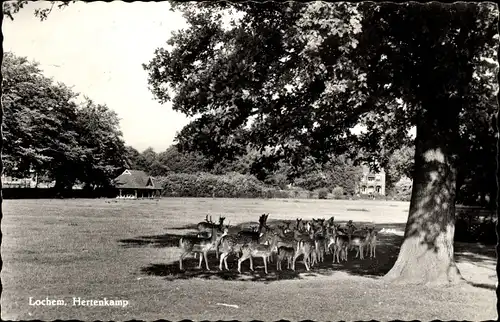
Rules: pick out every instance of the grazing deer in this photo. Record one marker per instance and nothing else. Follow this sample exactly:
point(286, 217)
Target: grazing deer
point(200, 245)
point(232, 243)
point(258, 250)
point(285, 252)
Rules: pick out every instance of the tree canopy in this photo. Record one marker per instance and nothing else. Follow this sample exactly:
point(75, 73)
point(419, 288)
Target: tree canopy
point(292, 80)
point(49, 132)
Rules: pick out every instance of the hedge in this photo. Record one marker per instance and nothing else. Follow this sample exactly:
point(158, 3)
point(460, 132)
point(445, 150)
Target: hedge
point(231, 185)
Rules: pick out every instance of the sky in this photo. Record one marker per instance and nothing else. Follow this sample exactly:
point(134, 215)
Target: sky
point(98, 49)
point(88, 46)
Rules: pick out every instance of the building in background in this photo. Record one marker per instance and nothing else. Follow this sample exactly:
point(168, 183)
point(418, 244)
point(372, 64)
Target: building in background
point(372, 183)
point(136, 184)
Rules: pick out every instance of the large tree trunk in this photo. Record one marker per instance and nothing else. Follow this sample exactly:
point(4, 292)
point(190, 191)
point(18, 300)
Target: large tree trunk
point(426, 255)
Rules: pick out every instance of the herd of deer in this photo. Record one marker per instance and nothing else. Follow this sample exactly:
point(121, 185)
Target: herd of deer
point(310, 239)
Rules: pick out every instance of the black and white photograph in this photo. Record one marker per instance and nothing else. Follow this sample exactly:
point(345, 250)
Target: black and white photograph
point(249, 160)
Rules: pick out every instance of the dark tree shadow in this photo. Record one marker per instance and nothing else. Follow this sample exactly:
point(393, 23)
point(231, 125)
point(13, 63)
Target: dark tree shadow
point(387, 251)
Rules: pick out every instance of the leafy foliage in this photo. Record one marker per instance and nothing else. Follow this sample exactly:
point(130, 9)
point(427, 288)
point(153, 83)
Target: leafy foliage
point(47, 132)
point(338, 192)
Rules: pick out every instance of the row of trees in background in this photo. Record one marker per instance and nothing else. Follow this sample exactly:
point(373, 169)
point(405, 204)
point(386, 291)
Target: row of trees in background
point(48, 133)
point(338, 172)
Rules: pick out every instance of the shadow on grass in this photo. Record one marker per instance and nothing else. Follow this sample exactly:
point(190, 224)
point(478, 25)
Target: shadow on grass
point(386, 254)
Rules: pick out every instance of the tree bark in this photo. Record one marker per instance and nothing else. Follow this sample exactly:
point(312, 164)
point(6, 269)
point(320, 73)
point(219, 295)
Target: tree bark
point(427, 254)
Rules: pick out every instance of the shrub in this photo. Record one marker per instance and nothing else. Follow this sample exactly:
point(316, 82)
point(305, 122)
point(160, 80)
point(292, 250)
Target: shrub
point(402, 189)
point(338, 192)
point(323, 193)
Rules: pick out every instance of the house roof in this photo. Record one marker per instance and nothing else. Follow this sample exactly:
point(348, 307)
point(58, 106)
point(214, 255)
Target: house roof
point(135, 179)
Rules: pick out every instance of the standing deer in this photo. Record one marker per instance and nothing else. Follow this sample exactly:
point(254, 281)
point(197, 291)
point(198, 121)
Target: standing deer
point(205, 227)
point(232, 243)
point(285, 252)
point(339, 243)
point(200, 245)
point(251, 250)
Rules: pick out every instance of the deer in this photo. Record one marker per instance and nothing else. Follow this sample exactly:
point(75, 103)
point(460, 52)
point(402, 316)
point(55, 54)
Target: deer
point(208, 224)
point(232, 243)
point(300, 224)
point(371, 242)
point(285, 252)
point(339, 243)
point(258, 250)
point(200, 245)
point(320, 242)
point(304, 245)
point(205, 227)
point(359, 240)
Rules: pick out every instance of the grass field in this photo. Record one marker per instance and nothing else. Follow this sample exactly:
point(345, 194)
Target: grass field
point(126, 250)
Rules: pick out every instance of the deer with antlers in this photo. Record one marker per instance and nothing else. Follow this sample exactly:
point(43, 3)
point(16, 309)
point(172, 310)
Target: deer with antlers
point(265, 251)
point(233, 243)
point(198, 245)
point(206, 226)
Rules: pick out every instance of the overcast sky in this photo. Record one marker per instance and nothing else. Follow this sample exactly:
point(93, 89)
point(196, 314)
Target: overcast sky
point(98, 48)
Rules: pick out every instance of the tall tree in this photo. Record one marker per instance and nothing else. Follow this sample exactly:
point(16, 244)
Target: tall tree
point(99, 132)
point(295, 78)
point(47, 132)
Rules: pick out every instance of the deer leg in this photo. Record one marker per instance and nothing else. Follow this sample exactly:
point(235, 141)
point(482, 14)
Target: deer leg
point(180, 260)
point(201, 261)
point(206, 260)
point(297, 254)
point(222, 258)
point(251, 263)
point(243, 258)
point(265, 263)
point(306, 263)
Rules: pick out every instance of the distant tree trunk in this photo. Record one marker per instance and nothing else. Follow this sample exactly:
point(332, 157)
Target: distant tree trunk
point(427, 254)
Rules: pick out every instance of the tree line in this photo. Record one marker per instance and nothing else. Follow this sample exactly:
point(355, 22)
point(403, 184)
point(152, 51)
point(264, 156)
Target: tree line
point(61, 139)
point(50, 133)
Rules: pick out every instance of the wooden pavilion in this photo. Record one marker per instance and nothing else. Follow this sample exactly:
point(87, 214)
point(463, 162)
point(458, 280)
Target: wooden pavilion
point(136, 183)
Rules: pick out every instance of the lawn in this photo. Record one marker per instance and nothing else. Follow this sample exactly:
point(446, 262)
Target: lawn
point(126, 250)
